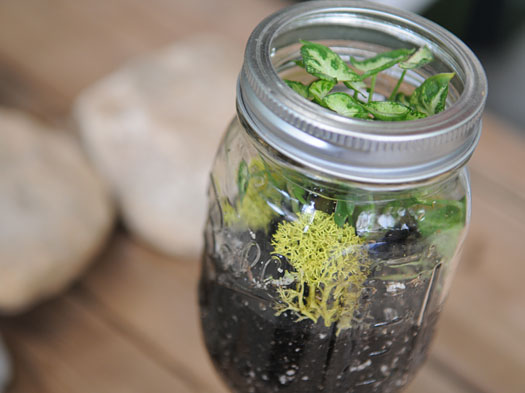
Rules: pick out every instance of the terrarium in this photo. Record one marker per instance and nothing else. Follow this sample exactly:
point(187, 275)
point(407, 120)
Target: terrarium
point(338, 199)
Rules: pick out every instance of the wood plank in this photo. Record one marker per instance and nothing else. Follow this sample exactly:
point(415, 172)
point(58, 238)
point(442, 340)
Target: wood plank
point(434, 379)
point(19, 91)
point(500, 156)
point(92, 39)
point(69, 349)
point(482, 331)
point(27, 379)
point(506, 201)
point(154, 298)
point(97, 36)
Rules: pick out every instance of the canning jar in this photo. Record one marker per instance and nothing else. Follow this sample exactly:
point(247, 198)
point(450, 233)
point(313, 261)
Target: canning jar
point(331, 241)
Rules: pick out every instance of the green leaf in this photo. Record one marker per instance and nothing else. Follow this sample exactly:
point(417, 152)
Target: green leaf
point(357, 86)
point(431, 96)
point(440, 216)
point(388, 110)
point(421, 57)
point(402, 99)
point(442, 224)
point(381, 62)
point(299, 193)
point(350, 207)
point(340, 214)
point(299, 63)
point(345, 105)
point(414, 115)
point(298, 87)
point(447, 240)
point(243, 177)
point(319, 89)
point(322, 62)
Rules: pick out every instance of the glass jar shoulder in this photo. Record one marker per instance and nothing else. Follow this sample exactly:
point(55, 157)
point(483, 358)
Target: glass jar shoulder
point(273, 205)
point(257, 186)
point(298, 257)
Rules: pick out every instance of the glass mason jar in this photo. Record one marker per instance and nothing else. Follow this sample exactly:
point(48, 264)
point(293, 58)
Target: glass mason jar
point(331, 242)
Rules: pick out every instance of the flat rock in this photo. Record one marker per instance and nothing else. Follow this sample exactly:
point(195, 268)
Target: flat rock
point(152, 129)
point(55, 212)
point(5, 367)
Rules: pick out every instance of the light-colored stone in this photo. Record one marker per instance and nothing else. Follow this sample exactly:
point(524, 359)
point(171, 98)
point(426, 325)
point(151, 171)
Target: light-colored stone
point(5, 367)
point(54, 211)
point(152, 129)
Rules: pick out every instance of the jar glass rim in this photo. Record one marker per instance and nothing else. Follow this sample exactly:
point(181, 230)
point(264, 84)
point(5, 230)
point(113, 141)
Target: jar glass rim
point(361, 150)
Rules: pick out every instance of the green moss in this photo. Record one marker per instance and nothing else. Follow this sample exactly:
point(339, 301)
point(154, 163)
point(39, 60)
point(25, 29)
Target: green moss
point(259, 201)
point(330, 267)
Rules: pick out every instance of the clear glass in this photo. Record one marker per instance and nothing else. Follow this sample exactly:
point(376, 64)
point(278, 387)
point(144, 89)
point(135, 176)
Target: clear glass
point(331, 242)
point(312, 283)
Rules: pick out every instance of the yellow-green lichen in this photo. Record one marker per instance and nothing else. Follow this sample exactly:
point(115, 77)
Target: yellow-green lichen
point(330, 267)
point(260, 202)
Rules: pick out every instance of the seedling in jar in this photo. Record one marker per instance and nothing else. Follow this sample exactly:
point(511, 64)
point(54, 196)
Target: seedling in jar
point(331, 70)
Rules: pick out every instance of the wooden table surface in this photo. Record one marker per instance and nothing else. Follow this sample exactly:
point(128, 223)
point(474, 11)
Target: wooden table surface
point(130, 324)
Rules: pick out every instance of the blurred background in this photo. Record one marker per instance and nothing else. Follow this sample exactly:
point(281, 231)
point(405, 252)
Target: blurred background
point(496, 33)
point(110, 113)
point(495, 30)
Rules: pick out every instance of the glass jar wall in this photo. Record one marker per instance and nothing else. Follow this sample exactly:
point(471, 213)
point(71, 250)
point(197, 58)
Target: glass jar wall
point(331, 242)
point(312, 284)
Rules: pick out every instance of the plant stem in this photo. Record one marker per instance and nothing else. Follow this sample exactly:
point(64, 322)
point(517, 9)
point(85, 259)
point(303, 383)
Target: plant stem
point(372, 87)
point(394, 92)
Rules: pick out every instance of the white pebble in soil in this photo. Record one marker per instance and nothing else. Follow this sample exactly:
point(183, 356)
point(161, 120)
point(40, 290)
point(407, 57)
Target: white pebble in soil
point(390, 314)
point(386, 221)
point(384, 369)
point(394, 287)
point(362, 366)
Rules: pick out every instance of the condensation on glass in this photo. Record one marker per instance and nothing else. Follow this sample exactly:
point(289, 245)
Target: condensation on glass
point(331, 242)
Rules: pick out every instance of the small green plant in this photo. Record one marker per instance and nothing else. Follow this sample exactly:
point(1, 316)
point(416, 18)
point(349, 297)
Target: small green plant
point(330, 70)
point(314, 229)
point(258, 196)
point(329, 268)
point(265, 193)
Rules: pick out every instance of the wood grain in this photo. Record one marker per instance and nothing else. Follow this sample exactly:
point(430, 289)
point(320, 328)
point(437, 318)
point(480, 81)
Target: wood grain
point(71, 349)
point(153, 300)
point(131, 324)
point(62, 46)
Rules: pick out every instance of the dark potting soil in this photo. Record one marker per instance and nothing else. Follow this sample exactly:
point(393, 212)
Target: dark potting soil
point(257, 351)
